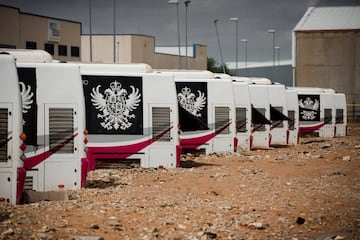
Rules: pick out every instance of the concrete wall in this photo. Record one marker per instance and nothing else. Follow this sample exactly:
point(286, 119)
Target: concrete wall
point(329, 59)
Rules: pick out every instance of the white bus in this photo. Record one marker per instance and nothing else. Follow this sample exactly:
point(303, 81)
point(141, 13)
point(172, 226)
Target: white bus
point(12, 146)
point(206, 115)
point(279, 129)
point(243, 115)
point(316, 111)
point(131, 117)
point(54, 123)
point(261, 137)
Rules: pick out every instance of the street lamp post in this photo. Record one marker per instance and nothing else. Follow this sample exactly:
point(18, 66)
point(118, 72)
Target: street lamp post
point(186, 32)
point(236, 20)
point(278, 65)
point(114, 37)
point(90, 31)
point(245, 42)
point(272, 31)
point(218, 39)
point(176, 2)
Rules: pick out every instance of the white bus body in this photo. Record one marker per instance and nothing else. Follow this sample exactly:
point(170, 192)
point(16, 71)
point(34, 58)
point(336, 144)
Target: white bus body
point(293, 115)
point(187, 74)
point(278, 111)
point(109, 67)
point(243, 114)
point(316, 111)
point(279, 128)
point(130, 117)
point(29, 55)
point(207, 115)
point(340, 115)
point(54, 126)
point(12, 173)
point(260, 116)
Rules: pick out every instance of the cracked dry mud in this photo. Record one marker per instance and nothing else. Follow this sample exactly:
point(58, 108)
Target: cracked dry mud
point(308, 191)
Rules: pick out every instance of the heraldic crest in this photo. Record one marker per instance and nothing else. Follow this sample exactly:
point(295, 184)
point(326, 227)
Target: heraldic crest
point(117, 105)
point(309, 108)
point(190, 102)
point(26, 97)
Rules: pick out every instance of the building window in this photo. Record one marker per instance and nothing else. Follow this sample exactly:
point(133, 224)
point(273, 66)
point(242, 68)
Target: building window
point(62, 50)
point(30, 45)
point(49, 48)
point(75, 51)
point(7, 46)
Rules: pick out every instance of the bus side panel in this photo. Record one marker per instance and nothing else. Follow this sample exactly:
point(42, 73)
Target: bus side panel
point(328, 115)
point(279, 128)
point(10, 130)
point(293, 114)
point(243, 115)
point(261, 136)
point(223, 115)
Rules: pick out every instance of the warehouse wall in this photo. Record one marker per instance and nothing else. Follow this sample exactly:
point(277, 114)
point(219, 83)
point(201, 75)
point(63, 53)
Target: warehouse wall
point(329, 59)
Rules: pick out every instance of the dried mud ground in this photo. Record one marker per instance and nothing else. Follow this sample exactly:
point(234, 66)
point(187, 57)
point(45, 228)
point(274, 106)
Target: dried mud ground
point(308, 191)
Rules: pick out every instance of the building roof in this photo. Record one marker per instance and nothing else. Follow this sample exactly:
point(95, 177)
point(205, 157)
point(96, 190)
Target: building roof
point(330, 18)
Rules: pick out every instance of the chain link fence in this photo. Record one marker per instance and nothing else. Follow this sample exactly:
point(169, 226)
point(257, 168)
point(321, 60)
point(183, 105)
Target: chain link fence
point(353, 112)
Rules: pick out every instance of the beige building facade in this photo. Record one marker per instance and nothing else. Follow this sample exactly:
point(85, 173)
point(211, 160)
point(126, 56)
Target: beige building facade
point(329, 60)
point(137, 49)
point(59, 37)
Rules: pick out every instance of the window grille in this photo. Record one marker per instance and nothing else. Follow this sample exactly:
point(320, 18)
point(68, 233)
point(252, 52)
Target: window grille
point(61, 130)
point(222, 118)
point(3, 134)
point(161, 123)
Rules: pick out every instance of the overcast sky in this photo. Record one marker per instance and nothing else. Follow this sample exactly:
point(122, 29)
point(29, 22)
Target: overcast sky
point(158, 18)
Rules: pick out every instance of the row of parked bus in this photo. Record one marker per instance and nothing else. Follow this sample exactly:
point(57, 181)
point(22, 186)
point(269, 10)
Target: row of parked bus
point(58, 121)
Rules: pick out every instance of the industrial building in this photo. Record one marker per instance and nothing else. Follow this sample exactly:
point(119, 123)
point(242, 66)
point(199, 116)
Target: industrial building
point(64, 41)
point(326, 51)
point(59, 37)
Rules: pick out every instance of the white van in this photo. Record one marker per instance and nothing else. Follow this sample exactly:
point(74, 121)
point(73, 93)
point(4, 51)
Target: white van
point(12, 172)
point(131, 117)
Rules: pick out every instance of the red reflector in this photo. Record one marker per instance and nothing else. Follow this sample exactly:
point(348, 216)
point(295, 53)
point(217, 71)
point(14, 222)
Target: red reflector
point(23, 147)
point(86, 141)
point(86, 132)
point(61, 186)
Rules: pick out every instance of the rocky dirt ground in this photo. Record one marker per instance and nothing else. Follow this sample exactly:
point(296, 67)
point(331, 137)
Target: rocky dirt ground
point(308, 191)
